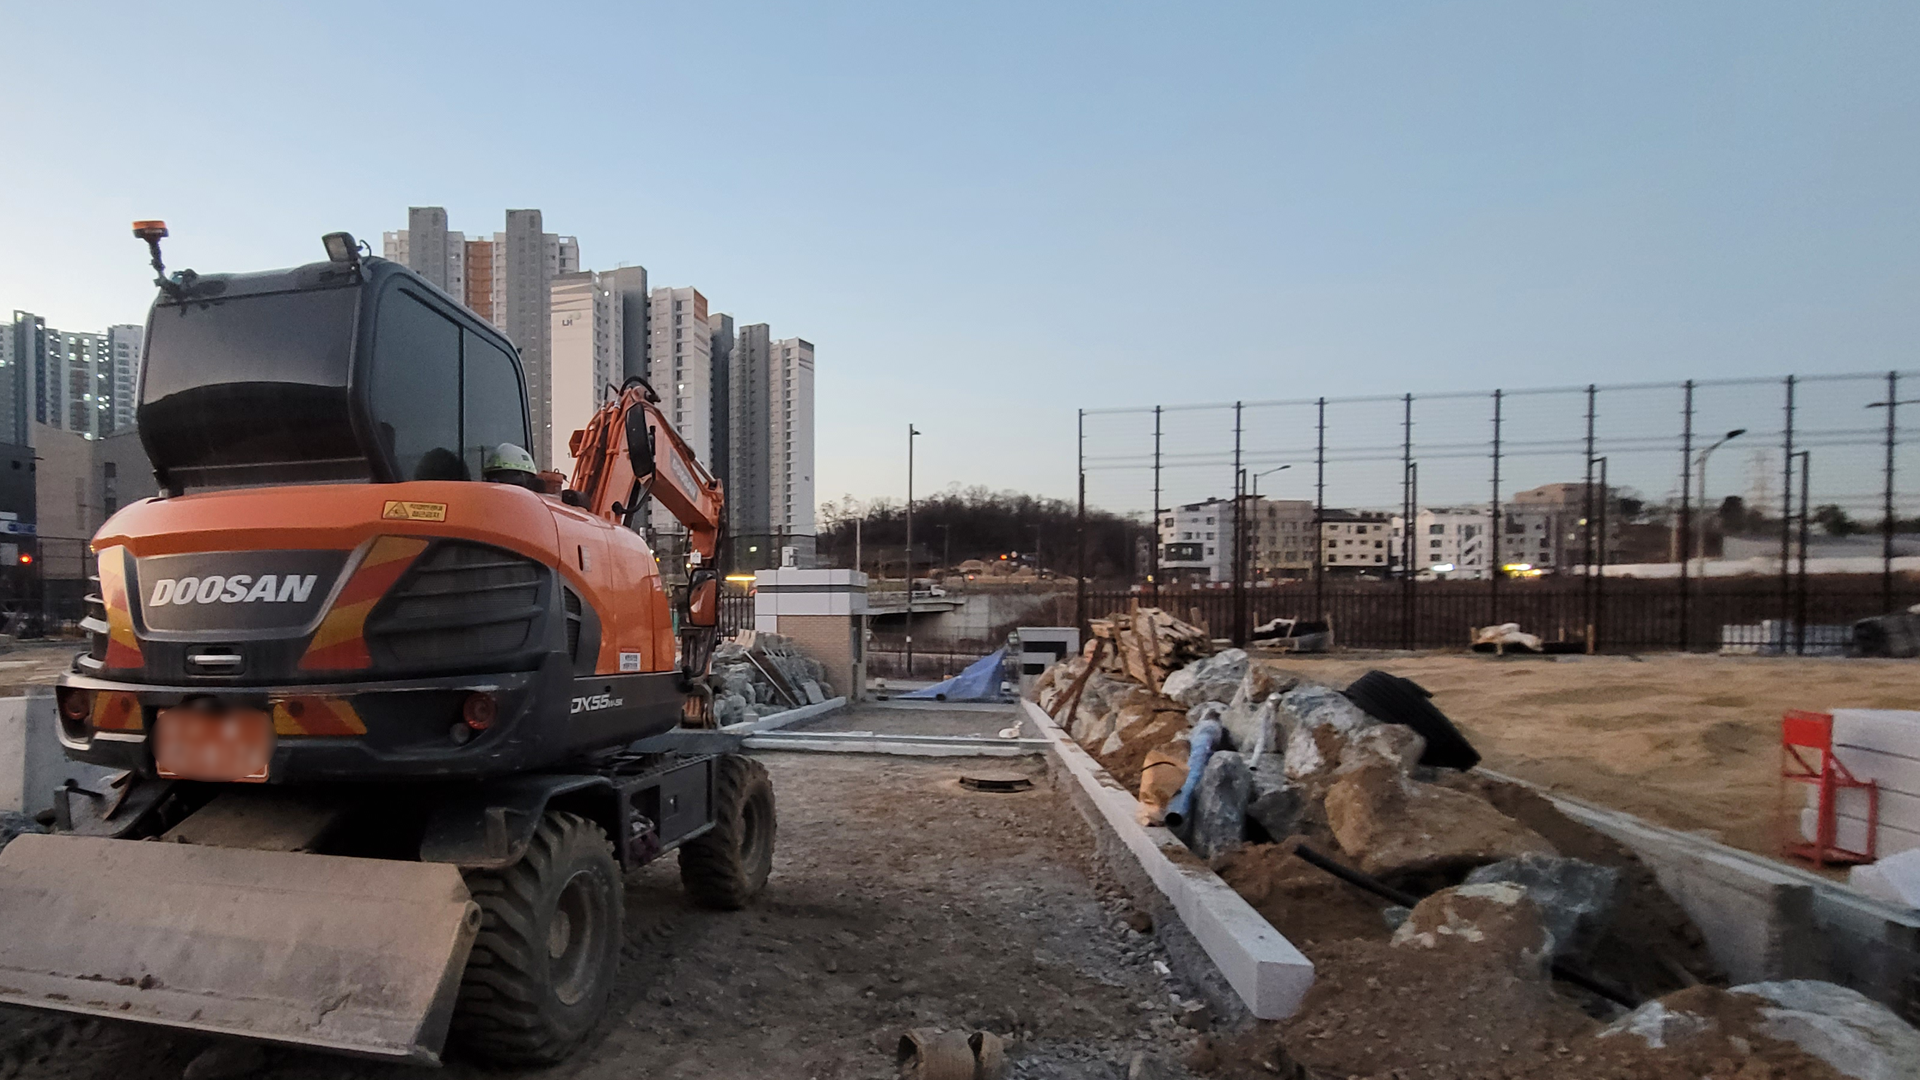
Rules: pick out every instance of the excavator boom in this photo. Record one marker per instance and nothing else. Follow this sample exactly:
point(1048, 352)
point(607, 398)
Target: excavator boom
point(627, 453)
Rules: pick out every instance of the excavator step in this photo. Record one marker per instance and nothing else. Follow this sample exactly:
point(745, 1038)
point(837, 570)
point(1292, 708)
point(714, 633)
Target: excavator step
point(360, 956)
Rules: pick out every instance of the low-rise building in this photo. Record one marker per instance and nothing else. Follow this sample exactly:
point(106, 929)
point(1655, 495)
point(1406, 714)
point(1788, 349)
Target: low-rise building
point(1356, 541)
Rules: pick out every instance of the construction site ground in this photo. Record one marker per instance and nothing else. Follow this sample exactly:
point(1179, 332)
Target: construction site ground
point(899, 899)
point(1688, 741)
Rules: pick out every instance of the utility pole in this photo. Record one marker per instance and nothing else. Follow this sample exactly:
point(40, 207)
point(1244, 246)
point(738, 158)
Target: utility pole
point(912, 433)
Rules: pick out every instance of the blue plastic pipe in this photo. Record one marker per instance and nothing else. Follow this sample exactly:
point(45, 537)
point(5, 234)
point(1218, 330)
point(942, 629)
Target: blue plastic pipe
point(1201, 744)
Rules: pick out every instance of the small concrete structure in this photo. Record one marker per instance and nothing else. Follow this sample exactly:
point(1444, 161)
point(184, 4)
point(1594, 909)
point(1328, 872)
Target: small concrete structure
point(32, 764)
point(825, 613)
point(1041, 647)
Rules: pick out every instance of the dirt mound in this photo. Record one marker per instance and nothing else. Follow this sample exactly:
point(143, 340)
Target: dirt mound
point(1305, 903)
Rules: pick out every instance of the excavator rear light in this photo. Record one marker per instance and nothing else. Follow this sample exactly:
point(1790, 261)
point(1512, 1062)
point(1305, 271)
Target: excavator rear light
point(75, 704)
point(479, 710)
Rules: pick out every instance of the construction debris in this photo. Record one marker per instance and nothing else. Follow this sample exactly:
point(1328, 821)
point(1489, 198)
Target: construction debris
point(757, 674)
point(1149, 643)
point(1505, 638)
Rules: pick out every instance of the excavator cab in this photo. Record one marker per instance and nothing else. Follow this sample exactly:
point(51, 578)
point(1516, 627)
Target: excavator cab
point(354, 686)
point(344, 371)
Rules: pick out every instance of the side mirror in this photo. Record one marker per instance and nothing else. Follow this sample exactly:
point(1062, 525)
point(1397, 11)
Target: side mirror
point(639, 443)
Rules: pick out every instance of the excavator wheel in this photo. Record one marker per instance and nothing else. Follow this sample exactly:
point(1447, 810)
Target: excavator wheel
point(729, 864)
point(550, 933)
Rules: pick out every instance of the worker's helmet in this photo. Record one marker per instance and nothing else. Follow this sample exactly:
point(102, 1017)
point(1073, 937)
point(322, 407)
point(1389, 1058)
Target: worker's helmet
point(511, 464)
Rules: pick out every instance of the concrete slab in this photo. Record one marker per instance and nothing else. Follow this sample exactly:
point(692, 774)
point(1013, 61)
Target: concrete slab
point(1264, 969)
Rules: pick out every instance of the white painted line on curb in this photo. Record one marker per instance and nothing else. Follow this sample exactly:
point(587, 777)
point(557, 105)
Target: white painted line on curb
point(1261, 965)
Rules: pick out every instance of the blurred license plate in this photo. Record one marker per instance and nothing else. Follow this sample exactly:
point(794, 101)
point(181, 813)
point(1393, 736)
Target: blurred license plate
point(201, 742)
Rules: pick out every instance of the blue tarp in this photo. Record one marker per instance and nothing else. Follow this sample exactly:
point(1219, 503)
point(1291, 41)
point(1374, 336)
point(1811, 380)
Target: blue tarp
point(980, 682)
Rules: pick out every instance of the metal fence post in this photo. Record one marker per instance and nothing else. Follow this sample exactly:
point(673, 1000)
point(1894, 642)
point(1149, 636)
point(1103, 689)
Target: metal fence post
point(1153, 578)
point(1600, 580)
point(1886, 509)
point(1493, 531)
point(1686, 507)
point(1406, 523)
point(1800, 609)
point(1238, 562)
point(1319, 513)
point(1079, 532)
point(1586, 530)
point(1786, 521)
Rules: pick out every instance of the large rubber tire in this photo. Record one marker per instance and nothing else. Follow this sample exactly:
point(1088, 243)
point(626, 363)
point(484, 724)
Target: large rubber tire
point(729, 864)
point(549, 945)
point(1391, 699)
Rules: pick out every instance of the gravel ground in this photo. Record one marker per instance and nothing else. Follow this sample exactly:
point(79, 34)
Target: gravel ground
point(899, 899)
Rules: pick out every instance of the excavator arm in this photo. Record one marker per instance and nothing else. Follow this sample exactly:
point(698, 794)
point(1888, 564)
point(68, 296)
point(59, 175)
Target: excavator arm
point(629, 452)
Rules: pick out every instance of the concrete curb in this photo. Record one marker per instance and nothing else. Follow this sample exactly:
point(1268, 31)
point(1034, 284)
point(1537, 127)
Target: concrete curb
point(1263, 968)
point(775, 721)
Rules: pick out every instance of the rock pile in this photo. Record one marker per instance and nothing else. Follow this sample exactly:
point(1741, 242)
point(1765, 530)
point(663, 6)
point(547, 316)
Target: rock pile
point(757, 674)
point(1298, 761)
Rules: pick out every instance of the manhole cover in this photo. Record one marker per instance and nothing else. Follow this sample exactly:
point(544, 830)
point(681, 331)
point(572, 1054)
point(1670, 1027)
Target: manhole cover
point(1000, 781)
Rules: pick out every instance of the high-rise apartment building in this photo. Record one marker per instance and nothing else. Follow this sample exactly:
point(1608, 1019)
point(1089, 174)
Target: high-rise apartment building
point(586, 339)
point(75, 381)
point(629, 287)
point(748, 481)
point(522, 282)
point(720, 405)
point(790, 445)
point(680, 357)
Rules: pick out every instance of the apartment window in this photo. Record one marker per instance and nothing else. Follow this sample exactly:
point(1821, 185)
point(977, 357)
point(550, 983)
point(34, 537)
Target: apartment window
point(1434, 543)
point(1437, 530)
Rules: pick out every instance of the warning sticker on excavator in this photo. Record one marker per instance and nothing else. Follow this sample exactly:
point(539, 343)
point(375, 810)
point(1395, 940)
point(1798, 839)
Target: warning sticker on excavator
point(397, 510)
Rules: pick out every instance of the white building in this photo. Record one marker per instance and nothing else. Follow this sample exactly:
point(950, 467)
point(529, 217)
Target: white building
point(1196, 541)
point(1448, 542)
point(585, 338)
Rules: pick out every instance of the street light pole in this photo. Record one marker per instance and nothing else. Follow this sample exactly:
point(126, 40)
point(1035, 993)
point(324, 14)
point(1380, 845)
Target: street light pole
point(912, 433)
point(1704, 455)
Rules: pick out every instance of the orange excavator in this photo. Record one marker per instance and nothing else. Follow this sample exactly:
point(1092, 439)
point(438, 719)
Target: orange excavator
point(403, 727)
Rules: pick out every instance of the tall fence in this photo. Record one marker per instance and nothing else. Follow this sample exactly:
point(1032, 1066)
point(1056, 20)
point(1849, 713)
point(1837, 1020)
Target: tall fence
point(1654, 515)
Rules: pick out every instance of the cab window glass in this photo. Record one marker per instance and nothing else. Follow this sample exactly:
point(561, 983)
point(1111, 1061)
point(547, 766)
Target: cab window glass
point(415, 380)
point(496, 411)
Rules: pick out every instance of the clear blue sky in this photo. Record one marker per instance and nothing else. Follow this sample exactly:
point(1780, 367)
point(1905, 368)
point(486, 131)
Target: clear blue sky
point(985, 215)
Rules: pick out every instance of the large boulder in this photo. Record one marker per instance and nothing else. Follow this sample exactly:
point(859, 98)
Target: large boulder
point(1318, 722)
point(1492, 924)
point(1575, 898)
point(1854, 1035)
point(1218, 822)
point(1395, 744)
point(1215, 678)
point(1393, 826)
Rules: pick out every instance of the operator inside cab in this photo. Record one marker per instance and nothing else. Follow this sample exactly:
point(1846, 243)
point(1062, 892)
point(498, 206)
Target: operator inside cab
point(509, 464)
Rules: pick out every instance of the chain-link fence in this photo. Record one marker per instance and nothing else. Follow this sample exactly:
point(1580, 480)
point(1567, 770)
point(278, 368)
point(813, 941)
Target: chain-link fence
point(1753, 514)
